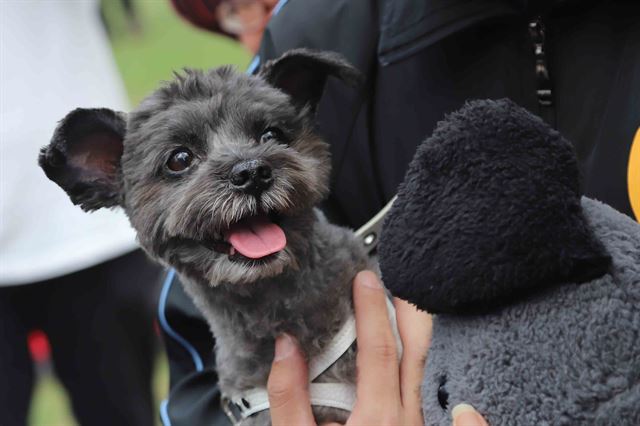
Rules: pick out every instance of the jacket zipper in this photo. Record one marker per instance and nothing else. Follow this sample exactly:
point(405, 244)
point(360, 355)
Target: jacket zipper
point(543, 81)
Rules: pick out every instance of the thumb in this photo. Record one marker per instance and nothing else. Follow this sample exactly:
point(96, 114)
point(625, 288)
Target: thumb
point(288, 385)
point(466, 415)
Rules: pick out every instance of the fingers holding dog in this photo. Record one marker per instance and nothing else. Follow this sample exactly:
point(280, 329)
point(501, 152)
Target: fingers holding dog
point(414, 327)
point(288, 385)
point(378, 386)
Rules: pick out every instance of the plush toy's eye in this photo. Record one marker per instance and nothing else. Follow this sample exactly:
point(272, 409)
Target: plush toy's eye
point(180, 160)
point(443, 395)
point(272, 134)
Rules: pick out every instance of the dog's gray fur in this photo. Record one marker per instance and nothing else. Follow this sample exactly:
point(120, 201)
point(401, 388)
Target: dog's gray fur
point(219, 115)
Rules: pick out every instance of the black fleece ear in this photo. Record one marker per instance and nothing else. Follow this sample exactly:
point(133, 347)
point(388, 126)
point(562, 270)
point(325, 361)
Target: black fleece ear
point(302, 74)
point(83, 157)
point(489, 212)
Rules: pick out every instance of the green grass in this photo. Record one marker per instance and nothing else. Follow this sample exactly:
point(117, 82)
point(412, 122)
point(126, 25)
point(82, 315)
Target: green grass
point(165, 44)
point(50, 404)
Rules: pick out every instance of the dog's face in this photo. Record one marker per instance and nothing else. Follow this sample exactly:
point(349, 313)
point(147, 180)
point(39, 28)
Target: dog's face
point(216, 170)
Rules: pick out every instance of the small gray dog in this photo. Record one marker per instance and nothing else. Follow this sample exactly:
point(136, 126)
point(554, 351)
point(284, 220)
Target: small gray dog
point(219, 173)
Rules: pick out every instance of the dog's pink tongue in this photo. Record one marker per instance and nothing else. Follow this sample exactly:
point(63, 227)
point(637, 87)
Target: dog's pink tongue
point(256, 237)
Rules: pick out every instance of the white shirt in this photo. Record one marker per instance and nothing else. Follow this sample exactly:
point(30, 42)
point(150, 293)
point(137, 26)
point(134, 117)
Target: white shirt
point(54, 57)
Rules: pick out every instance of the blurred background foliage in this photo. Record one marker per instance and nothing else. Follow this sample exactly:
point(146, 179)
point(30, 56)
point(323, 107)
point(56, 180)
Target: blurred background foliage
point(147, 50)
point(162, 43)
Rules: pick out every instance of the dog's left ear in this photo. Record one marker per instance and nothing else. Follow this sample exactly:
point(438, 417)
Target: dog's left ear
point(302, 74)
point(84, 155)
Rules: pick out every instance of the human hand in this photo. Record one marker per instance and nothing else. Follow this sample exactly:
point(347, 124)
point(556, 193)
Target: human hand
point(466, 415)
point(387, 389)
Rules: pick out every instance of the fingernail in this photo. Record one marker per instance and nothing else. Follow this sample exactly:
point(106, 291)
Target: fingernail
point(466, 415)
point(369, 280)
point(284, 347)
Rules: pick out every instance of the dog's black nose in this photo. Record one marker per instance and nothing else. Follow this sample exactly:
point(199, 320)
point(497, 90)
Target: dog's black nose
point(251, 176)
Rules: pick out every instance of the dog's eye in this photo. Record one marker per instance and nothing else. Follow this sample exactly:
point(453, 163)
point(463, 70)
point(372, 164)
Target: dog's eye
point(180, 160)
point(270, 134)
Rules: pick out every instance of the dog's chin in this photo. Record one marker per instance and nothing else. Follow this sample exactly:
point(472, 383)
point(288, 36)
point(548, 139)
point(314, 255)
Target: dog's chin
point(246, 251)
point(238, 270)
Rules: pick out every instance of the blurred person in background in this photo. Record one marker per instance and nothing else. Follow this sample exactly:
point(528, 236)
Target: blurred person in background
point(78, 277)
point(574, 63)
point(243, 20)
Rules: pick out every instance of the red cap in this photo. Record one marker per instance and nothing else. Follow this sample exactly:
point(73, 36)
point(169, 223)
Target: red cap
point(201, 13)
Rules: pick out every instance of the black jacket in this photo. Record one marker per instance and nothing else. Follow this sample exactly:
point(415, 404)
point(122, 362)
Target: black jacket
point(422, 60)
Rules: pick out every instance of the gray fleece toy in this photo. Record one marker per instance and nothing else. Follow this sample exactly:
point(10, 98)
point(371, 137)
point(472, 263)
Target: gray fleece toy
point(536, 289)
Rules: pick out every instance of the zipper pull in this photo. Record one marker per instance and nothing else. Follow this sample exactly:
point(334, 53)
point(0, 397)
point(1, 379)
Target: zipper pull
point(537, 34)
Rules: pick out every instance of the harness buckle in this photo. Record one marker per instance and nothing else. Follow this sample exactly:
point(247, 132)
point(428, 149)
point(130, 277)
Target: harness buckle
point(232, 410)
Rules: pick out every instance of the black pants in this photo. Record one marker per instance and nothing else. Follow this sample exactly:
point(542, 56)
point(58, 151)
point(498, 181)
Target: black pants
point(100, 325)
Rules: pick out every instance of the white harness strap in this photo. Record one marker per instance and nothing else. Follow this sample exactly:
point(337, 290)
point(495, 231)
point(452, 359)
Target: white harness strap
point(335, 395)
point(340, 343)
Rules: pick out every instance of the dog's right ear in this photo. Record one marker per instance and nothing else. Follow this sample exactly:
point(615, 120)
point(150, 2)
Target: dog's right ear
point(84, 155)
point(303, 73)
